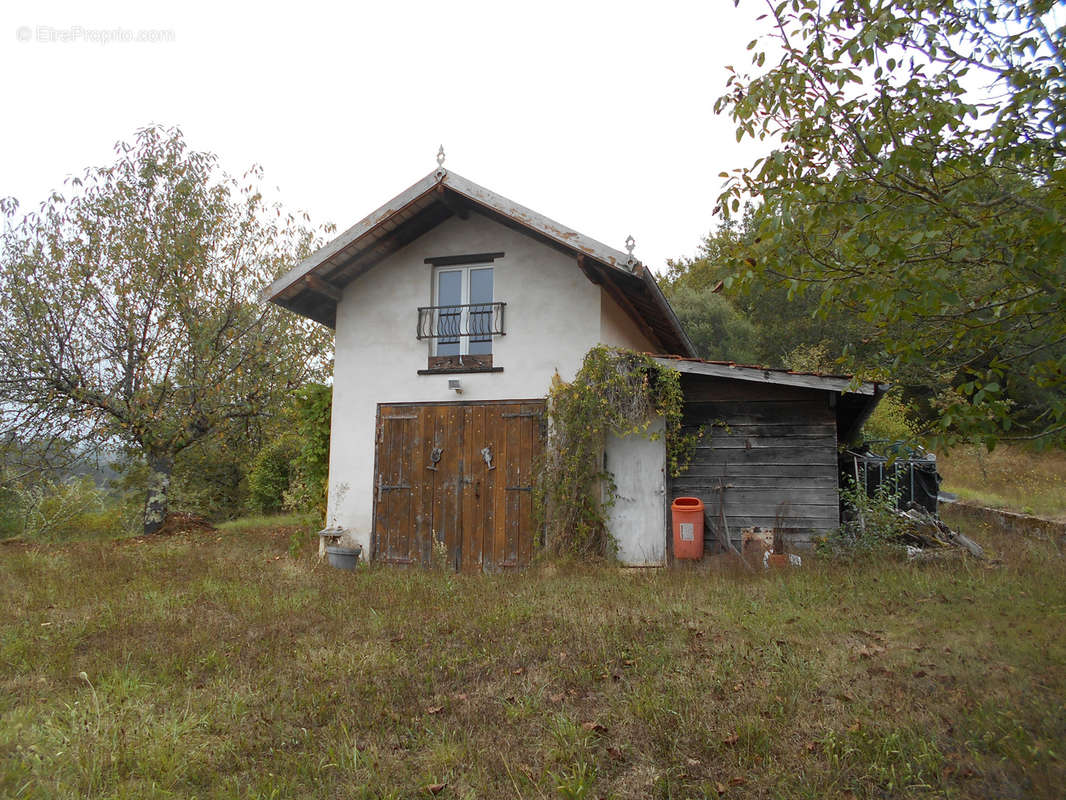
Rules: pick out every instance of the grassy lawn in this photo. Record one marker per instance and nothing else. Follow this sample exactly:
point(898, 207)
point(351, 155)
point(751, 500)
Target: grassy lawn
point(1010, 477)
point(232, 664)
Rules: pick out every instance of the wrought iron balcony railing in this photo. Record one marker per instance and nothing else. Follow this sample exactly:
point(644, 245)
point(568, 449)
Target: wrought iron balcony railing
point(478, 322)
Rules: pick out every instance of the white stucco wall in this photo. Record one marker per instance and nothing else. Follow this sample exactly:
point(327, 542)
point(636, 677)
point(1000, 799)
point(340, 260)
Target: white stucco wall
point(637, 520)
point(553, 317)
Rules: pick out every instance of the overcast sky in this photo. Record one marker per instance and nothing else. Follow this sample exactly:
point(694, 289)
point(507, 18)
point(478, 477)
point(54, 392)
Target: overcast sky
point(597, 114)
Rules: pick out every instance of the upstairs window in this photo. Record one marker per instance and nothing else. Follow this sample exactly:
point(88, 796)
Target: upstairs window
point(464, 301)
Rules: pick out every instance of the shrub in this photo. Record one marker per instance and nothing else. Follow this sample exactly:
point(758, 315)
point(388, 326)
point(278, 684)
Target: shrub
point(312, 411)
point(872, 524)
point(891, 422)
point(209, 477)
point(811, 358)
point(74, 508)
point(10, 516)
point(270, 474)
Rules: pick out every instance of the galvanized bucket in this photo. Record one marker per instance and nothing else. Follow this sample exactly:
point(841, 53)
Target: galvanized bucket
point(344, 557)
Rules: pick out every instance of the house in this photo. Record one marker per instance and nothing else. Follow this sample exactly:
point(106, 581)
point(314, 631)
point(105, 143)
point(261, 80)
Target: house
point(453, 308)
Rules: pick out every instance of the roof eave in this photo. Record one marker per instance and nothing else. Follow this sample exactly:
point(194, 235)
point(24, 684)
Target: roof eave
point(774, 376)
point(337, 244)
point(537, 224)
point(577, 242)
point(668, 312)
point(855, 428)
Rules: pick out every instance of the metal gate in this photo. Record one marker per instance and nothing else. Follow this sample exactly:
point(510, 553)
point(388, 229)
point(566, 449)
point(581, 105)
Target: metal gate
point(455, 481)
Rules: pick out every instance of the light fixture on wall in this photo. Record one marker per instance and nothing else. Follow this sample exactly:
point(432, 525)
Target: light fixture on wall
point(455, 385)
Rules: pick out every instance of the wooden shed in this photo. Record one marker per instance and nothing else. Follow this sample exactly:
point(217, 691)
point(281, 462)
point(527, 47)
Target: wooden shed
point(767, 459)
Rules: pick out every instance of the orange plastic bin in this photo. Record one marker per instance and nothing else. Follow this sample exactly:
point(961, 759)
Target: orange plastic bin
point(687, 513)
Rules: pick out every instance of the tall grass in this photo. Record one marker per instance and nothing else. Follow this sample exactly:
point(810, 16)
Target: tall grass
point(1010, 477)
point(295, 520)
point(232, 664)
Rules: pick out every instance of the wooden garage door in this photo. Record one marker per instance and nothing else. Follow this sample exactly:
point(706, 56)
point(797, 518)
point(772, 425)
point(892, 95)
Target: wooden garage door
point(460, 474)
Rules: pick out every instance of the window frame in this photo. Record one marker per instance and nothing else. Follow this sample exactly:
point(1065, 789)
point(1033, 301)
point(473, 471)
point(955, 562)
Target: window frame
point(464, 300)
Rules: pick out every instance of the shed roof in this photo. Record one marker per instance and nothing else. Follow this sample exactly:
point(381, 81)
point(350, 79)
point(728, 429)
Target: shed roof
point(857, 399)
point(776, 375)
point(313, 287)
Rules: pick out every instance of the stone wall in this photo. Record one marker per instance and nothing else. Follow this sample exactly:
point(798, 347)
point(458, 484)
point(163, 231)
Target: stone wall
point(963, 515)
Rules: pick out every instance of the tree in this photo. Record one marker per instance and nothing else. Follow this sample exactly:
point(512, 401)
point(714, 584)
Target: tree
point(759, 322)
point(917, 179)
point(128, 310)
point(718, 331)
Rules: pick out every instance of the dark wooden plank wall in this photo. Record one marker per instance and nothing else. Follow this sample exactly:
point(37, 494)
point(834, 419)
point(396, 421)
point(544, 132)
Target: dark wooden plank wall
point(773, 447)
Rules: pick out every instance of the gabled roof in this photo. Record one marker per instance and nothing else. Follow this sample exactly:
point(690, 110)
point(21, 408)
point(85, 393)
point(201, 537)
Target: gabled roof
point(313, 287)
point(856, 399)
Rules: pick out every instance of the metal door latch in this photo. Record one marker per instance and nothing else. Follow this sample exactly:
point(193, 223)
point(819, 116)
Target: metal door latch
point(384, 487)
point(434, 457)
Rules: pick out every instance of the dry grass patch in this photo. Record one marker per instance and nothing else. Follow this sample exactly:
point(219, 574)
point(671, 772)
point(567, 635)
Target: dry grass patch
point(233, 664)
point(1010, 477)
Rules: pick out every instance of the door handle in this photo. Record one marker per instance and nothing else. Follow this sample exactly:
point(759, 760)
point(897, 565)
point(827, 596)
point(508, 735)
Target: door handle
point(434, 457)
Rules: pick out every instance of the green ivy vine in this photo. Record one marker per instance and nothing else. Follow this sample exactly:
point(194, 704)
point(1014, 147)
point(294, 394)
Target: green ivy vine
point(619, 392)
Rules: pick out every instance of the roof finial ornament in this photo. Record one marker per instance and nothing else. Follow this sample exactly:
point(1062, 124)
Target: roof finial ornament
point(630, 244)
point(441, 171)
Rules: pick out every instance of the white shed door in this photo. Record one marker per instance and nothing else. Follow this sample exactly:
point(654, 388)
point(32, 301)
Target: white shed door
point(638, 518)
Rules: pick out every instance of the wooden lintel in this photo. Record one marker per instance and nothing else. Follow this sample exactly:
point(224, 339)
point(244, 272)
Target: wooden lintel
point(316, 284)
point(589, 270)
point(619, 297)
point(459, 260)
point(452, 203)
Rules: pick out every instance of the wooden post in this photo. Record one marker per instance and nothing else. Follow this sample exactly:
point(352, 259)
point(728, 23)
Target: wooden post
point(724, 533)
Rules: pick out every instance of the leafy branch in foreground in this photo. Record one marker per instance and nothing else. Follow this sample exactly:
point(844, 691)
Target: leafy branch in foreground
point(918, 181)
point(616, 392)
point(129, 312)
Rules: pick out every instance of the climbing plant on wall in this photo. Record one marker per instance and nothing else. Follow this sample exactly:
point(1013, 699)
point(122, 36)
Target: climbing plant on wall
point(615, 392)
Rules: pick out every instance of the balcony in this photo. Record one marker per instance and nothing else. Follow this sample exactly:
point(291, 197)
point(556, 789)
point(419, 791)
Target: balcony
point(449, 324)
point(463, 335)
